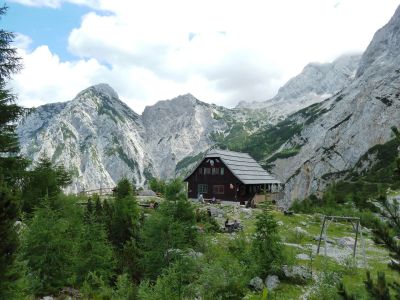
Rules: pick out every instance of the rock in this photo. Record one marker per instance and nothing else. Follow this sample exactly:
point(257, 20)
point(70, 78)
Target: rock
point(172, 252)
point(329, 241)
point(256, 283)
point(315, 83)
point(146, 193)
point(346, 241)
point(299, 230)
point(297, 272)
point(272, 282)
point(247, 211)
point(194, 254)
point(303, 256)
point(216, 212)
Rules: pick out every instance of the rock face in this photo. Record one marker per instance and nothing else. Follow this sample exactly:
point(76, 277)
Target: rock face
point(179, 128)
point(355, 101)
point(101, 139)
point(315, 83)
point(338, 131)
point(95, 135)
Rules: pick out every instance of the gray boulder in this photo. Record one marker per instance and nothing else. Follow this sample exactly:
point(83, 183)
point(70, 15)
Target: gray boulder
point(147, 193)
point(272, 282)
point(296, 272)
point(256, 284)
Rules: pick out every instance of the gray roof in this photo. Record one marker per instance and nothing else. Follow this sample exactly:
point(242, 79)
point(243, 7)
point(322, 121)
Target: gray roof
point(243, 166)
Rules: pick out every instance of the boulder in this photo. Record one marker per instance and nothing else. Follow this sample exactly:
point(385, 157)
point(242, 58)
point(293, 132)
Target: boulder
point(297, 272)
point(256, 284)
point(299, 230)
point(346, 241)
point(147, 193)
point(272, 282)
point(303, 256)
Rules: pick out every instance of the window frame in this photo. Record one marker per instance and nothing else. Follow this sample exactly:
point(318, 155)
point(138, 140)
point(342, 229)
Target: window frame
point(202, 188)
point(219, 189)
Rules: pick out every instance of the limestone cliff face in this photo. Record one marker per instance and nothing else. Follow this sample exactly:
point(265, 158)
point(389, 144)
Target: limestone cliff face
point(179, 128)
point(355, 101)
point(346, 125)
point(102, 140)
point(314, 84)
point(95, 135)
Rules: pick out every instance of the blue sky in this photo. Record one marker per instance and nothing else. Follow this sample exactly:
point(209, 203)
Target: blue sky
point(143, 50)
point(45, 25)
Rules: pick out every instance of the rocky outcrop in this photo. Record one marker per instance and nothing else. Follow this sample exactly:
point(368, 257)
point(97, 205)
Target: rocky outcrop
point(95, 135)
point(349, 123)
point(314, 84)
point(177, 128)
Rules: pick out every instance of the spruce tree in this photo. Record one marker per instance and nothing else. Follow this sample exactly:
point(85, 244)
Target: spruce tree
point(11, 164)
point(45, 180)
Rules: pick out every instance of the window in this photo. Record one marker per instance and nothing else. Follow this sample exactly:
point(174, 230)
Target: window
point(215, 171)
point(218, 189)
point(202, 189)
point(222, 171)
point(200, 171)
point(207, 171)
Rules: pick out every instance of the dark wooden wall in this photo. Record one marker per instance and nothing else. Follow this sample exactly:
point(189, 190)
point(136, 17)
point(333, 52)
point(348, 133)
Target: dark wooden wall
point(226, 180)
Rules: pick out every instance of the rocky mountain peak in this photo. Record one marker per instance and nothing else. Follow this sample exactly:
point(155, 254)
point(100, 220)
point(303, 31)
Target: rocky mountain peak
point(102, 89)
point(384, 49)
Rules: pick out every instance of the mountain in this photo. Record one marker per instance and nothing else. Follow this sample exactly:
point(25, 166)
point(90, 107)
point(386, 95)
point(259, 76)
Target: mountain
point(101, 139)
point(178, 128)
point(95, 135)
point(354, 103)
point(328, 138)
point(315, 83)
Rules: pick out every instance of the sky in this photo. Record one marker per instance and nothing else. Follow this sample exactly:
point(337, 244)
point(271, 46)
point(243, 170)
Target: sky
point(221, 51)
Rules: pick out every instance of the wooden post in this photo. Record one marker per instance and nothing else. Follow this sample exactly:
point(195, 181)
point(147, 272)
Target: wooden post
point(320, 235)
point(265, 192)
point(355, 242)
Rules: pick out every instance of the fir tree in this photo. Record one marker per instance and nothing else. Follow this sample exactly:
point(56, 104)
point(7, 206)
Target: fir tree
point(12, 166)
point(267, 245)
point(45, 180)
point(9, 242)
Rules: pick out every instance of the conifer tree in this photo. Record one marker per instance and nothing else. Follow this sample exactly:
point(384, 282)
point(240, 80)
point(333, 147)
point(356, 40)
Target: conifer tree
point(11, 164)
point(45, 180)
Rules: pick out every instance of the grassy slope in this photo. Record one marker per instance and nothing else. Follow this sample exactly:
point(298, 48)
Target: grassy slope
point(377, 256)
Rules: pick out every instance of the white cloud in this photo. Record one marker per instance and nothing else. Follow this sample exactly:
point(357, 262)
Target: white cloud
point(56, 3)
point(22, 41)
point(221, 51)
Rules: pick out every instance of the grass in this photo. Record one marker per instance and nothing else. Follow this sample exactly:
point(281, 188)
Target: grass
point(377, 256)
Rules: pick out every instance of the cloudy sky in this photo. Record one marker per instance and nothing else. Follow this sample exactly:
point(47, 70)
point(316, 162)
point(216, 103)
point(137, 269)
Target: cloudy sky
point(221, 51)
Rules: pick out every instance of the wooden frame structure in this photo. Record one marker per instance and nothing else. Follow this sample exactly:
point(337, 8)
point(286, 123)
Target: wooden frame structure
point(354, 221)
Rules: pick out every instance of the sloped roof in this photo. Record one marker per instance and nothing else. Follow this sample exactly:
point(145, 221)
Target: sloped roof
point(243, 166)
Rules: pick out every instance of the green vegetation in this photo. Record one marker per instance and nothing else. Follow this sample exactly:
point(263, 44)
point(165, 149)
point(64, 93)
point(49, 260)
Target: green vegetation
point(187, 161)
point(284, 154)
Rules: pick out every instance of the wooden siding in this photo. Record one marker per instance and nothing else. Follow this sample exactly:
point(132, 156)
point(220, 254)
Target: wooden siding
point(227, 179)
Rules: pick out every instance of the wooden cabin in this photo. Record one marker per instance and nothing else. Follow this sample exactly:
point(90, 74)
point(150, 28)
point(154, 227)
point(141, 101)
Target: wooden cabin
point(232, 176)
